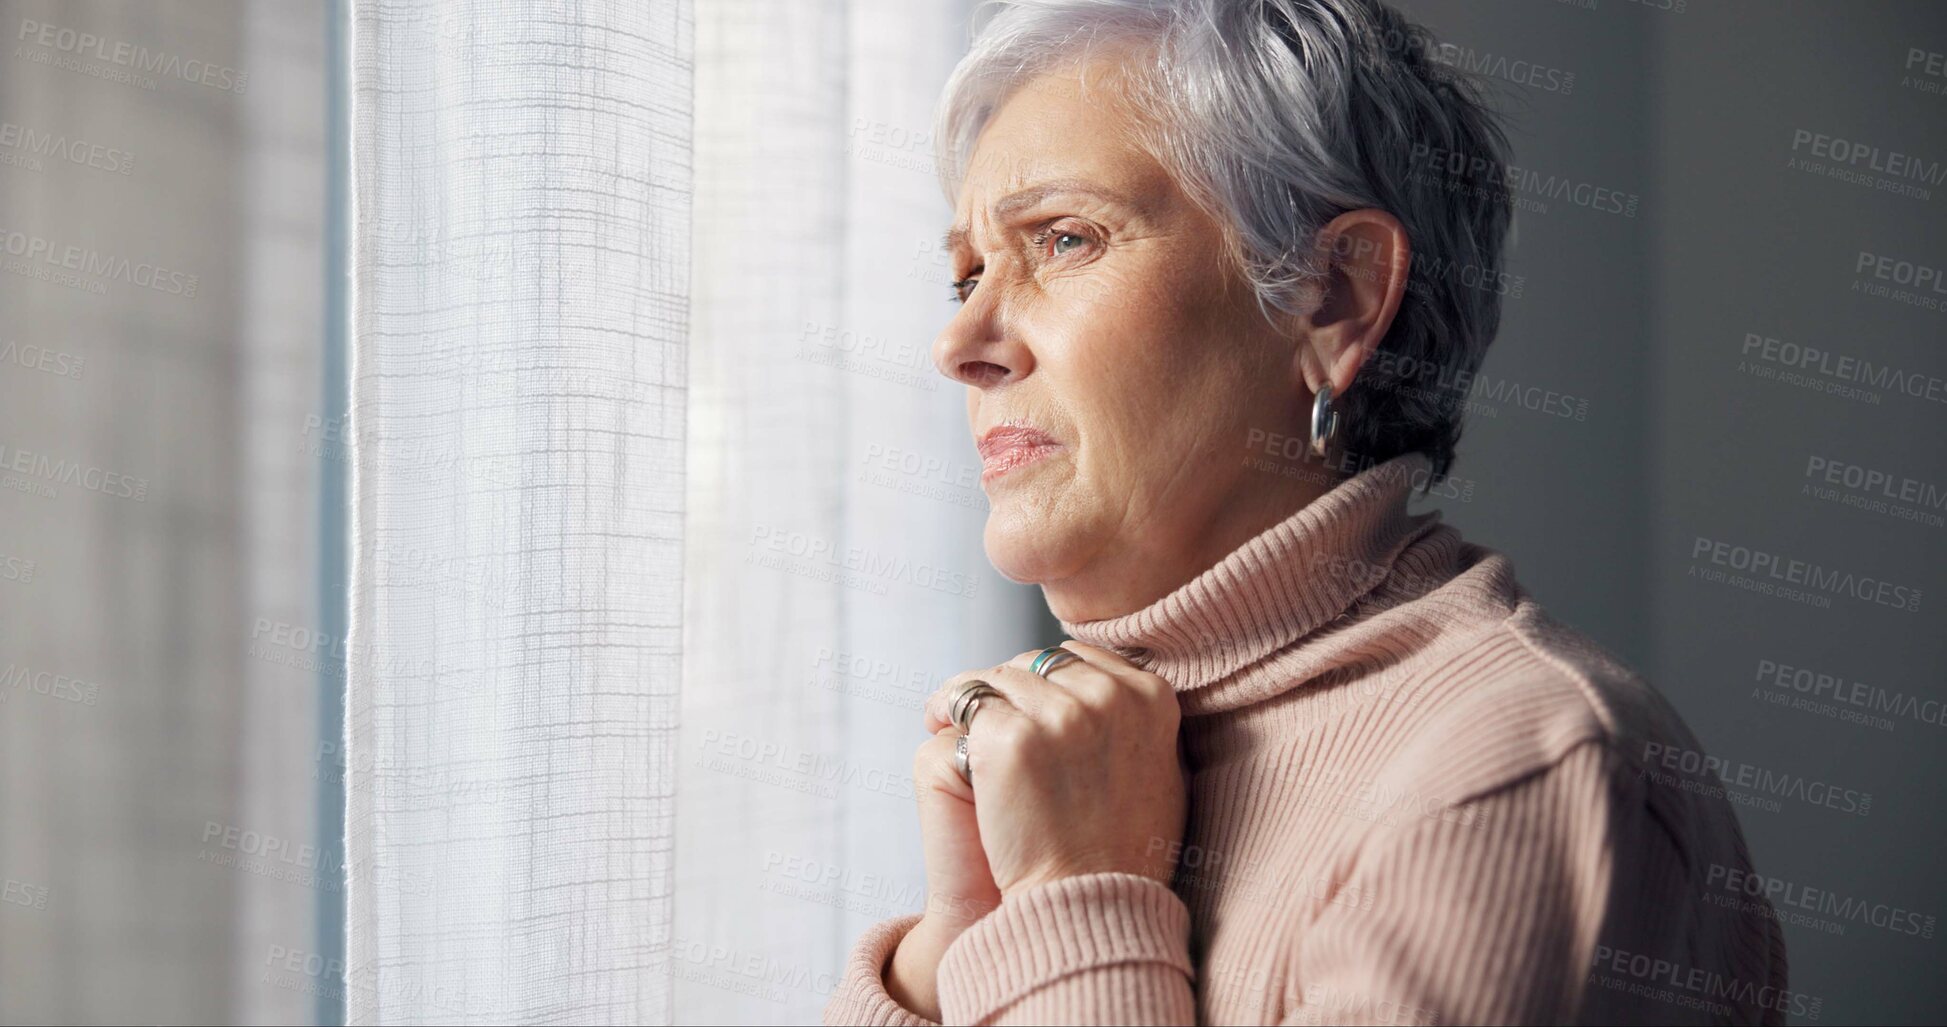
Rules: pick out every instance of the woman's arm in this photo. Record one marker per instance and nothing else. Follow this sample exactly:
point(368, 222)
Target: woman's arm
point(1487, 911)
point(1097, 948)
point(862, 996)
point(1571, 892)
point(1068, 825)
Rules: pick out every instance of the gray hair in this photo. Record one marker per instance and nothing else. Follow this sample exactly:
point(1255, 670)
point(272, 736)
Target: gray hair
point(1275, 116)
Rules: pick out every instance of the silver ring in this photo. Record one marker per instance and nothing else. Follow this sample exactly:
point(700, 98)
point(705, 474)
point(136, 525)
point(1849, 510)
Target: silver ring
point(960, 759)
point(966, 703)
point(1054, 656)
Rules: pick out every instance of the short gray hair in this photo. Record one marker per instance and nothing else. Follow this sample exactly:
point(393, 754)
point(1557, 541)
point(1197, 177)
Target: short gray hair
point(1276, 116)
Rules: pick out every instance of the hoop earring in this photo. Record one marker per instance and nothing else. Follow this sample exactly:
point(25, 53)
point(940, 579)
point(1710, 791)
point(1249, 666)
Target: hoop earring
point(1325, 421)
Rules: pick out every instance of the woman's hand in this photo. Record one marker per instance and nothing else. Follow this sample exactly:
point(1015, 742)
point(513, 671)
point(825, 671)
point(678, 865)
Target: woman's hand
point(959, 888)
point(1076, 773)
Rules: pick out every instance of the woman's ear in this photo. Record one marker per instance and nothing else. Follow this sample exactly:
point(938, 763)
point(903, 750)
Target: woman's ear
point(1366, 257)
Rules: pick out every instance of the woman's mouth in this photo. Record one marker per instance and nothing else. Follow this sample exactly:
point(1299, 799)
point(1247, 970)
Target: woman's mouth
point(1007, 447)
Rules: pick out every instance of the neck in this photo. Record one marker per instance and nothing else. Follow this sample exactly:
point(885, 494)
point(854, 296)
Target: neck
point(1142, 572)
point(1274, 590)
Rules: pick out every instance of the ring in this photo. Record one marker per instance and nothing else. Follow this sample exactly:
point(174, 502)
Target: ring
point(960, 759)
point(966, 703)
point(1050, 658)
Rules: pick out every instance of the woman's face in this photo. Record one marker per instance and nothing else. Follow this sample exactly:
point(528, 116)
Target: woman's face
point(1099, 308)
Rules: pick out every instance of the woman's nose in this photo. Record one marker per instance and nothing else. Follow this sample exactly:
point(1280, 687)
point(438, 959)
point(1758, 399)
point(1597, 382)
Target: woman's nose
point(978, 347)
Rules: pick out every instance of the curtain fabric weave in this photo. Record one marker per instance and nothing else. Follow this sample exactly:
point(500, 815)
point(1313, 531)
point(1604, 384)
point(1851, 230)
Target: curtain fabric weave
point(520, 295)
point(835, 569)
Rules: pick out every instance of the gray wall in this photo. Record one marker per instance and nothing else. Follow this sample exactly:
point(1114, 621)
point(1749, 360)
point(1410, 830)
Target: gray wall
point(1690, 437)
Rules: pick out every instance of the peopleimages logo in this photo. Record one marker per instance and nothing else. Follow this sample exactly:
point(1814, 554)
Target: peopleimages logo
point(1461, 172)
point(1862, 164)
point(878, 894)
point(769, 762)
point(819, 558)
point(40, 358)
point(1780, 892)
point(96, 264)
point(1835, 373)
point(1717, 777)
point(1815, 685)
point(20, 893)
point(19, 678)
point(1683, 982)
point(1772, 569)
point(1925, 71)
point(138, 58)
point(16, 568)
point(1435, 382)
point(1903, 281)
point(865, 668)
point(33, 144)
point(64, 472)
point(1875, 491)
point(1901, 272)
point(263, 850)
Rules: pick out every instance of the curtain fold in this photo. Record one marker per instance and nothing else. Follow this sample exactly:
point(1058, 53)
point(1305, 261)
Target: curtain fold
point(521, 178)
point(836, 574)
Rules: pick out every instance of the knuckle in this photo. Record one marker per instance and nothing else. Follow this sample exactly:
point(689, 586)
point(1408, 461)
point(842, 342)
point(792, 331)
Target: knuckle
point(1002, 734)
point(933, 747)
point(947, 687)
point(1155, 688)
point(1099, 690)
point(1065, 715)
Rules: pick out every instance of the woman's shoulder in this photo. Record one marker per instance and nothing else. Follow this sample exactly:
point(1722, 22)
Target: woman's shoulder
point(1515, 698)
point(1483, 691)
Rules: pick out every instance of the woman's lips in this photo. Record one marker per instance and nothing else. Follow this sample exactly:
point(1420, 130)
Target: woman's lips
point(1005, 448)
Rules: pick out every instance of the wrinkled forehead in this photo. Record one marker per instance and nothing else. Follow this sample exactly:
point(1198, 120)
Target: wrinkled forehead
point(1068, 128)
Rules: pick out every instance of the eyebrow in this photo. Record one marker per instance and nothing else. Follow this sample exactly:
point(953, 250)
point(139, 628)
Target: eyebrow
point(1011, 204)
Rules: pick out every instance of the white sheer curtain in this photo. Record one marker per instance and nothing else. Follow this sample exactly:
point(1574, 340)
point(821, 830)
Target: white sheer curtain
point(521, 176)
point(521, 170)
point(835, 573)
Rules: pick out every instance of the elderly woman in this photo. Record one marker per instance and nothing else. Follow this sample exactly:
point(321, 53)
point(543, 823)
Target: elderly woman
point(1225, 268)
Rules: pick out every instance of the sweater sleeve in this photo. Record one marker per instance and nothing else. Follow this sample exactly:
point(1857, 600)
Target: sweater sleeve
point(1573, 893)
point(1496, 908)
point(1097, 948)
point(1487, 911)
point(861, 996)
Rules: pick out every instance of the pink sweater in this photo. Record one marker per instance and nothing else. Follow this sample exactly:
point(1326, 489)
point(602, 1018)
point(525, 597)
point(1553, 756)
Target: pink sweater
point(1414, 798)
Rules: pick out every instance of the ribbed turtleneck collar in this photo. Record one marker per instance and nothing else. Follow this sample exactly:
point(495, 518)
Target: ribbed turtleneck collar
point(1275, 590)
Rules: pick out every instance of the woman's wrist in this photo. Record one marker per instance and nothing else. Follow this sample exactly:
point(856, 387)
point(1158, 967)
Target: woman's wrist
point(912, 974)
point(1158, 864)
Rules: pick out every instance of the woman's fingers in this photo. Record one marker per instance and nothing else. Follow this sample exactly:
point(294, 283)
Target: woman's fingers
point(933, 766)
point(1086, 676)
point(1072, 769)
point(960, 887)
point(1028, 693)
point(1104, 660)
point(937, 703)
point(1073, 674)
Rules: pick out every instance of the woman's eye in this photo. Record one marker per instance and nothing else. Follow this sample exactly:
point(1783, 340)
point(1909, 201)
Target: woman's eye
point(962, 288)
point(1056, 244)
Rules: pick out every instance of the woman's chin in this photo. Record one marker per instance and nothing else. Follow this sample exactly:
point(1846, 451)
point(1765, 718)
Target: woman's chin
point(1028, 550)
